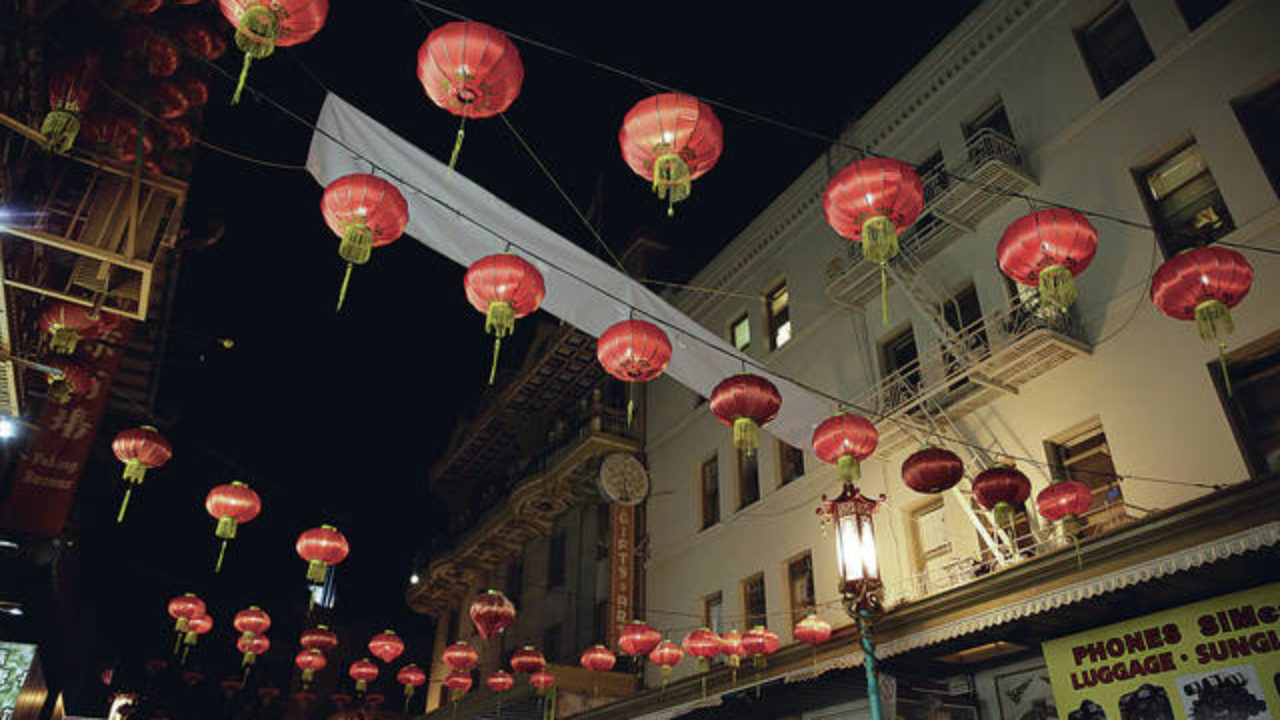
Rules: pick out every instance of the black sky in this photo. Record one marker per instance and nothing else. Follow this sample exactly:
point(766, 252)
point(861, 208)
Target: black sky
point(336, 418)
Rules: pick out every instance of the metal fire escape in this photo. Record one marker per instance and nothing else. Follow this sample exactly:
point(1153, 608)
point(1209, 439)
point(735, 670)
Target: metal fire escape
point(972, 365)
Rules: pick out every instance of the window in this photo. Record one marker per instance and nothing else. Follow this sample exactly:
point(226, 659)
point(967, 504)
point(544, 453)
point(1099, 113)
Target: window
point(1260, 116)
point(710, 492)
point(1114, 48)
point(963, 315)
point(551, 639)
point(800, 587)
point(778, 305)
point(748, 478)
point(1183, 200)
point(600, 620)
point(898, 354)
point(740, 332)
point(713, 612)
point(993, 118)
point(1082, 454)
point(515, 580)
point(1253, 409)
point(933, 547)
point(790, 462)
point(556, 560)
point(753, 608)
point(1195, 12)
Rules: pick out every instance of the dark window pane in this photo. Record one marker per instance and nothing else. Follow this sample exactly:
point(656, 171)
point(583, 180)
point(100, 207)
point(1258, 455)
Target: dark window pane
point(800, 584)
point(791, 460)
point(515, 581)
point(748, 478)
point(1195, 12)
point(710, 492)
point(1114, 48)
point(1254, 405)
point(1260, 117)
point(713, 612)
point(900, 354)
point(753, 601)
point(1184, 202)
point(556, 560)
point(551, 638)
point(993, 118)
point(964, 317)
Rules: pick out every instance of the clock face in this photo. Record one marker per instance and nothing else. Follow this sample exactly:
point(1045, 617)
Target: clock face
point(623, 479)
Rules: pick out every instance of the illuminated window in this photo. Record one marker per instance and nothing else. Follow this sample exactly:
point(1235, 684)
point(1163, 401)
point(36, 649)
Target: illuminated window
point(713, 612)
point(710, 481)
point(800, 587)
point(740, 332)
point(778, 305)
point(753, 607)
point(1114, 48)
point(1184, 201)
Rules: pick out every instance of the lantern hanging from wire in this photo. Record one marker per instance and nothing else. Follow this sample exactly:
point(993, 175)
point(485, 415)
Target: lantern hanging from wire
point(71, 86)
point(322, 547)
point(411, 677)
point(199, 39)
point(140, 449)
point(386, 646)
point(193, 88)
point(1063, 502)
point(310, 661)
point(845, 440)
point(499, 681)
point(1203, 284)
point(251, 621)
point(1048, 249)
point(363, 671)
point(366, 211)
point(491, 612)
point(760, 642)
point(813, 631)
point(191, 678)
point(638, 638)
point(73, 380)
point(542, 681)
point(745, 402)
point(733, 651)
point(932, 470)
point(175, 135)
point(633, 351)
point(527, 660)
point(459, 683)
point(460, 657)
point(166, 100)
point(505, 288)
point(471, 70)
point(252, 647)
point(1000, 489)
point(870, 201)
point(65, 324)
point(232, 504)
point(702, 645)
point(263, 25)
point(319, 638)
point(671, 140)
point(597, 658)
point(183, 609)
point(666, 655)
point(196, 626)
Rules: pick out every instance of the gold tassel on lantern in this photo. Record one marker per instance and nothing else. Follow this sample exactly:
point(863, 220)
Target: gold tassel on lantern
point(457, 143)
point(1213, 320)
point(256, 37)
point(880, 245)
point(356, 248)
point(316, 570)
point(60, 389)
point(1057, 287)
point(848, 468)
point(59, 129)
point(226, 530)
point(672, 179)
point(64, 339)
point(500, 321)
point(746, 434)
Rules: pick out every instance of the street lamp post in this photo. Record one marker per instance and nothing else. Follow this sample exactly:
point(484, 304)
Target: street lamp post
point(850, 513)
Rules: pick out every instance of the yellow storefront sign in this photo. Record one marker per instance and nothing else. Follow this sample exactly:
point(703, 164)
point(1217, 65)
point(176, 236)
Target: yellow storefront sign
point(1217, 659)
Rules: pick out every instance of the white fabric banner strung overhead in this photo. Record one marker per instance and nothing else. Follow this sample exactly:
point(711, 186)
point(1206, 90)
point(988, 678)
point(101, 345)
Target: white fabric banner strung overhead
point(464, 222)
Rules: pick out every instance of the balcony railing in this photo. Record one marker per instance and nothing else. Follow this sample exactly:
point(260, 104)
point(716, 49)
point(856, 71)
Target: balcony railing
point(956, 202)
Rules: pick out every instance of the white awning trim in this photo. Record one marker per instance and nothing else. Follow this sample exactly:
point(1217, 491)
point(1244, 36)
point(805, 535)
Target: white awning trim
point(683, 708)
point(842, 662)
point(465, 222)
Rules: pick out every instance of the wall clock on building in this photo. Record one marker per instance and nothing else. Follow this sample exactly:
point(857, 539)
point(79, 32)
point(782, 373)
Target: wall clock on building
point(623, 479)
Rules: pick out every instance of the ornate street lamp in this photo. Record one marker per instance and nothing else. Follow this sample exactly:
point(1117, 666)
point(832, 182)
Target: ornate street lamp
point(859, 571)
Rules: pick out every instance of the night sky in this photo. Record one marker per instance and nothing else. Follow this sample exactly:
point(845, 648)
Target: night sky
point(337, 418)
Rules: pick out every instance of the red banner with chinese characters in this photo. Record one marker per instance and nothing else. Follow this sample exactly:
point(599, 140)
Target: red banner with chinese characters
point(622, 547)
point(46, 483)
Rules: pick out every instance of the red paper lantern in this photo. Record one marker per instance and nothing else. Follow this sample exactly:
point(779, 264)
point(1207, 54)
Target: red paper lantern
point(251, 621)
point(267, 693)
point(634, 351)
point(638, 639)
point(116, 136)
point(527, 660)
point(66, 323)
point(191, 678)
point(932, 470)
point(196, 626)
point(731, 648)
point(813, 630)
point(870, 201)
point(491, 612)
point(373, 700)
point(1048, 248)
point(1203, 284)
point(460, 657)
point(140, 449)
point(458, 683)
point(1001, 489)
point(144, 7)
point(411, 677)
point(845, 440)
point(760, 642)
point(671, 140)
point(363, 671)
point(702, 645)
point(321, 547)
point(386, 646)
point(505, 288)
point(175, 135)
point(232, 505)
point(366, 212)
point(597, 658)
point(319, 638)
point(263, 25)
point(746, 403)
point(499, 681)
point(252, 647)
point(542, 681)
point(163, 57)
point(71, 86)
point(666, 656)
point(1065, 500)
point(193, 88)
point(202, 41)
point(470, 69)
point(73, 380)
point(309, 661)
point(183, 609)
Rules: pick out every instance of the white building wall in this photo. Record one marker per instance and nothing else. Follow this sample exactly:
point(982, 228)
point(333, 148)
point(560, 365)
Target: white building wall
point(1146, 378)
